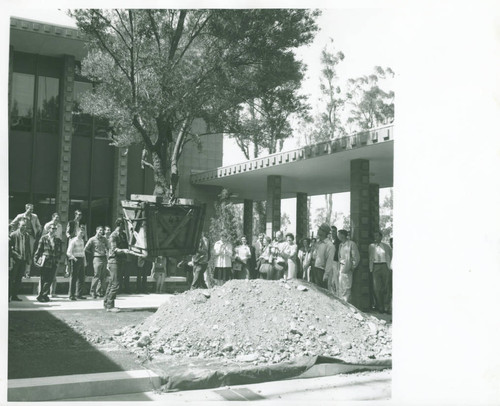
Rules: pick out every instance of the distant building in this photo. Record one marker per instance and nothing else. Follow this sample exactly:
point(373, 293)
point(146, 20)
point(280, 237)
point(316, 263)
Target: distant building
point(60, 159)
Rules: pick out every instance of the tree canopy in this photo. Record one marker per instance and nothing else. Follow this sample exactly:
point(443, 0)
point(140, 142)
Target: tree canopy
point(371, 106)
point(155, 71)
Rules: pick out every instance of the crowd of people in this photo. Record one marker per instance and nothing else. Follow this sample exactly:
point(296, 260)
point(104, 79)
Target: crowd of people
point(329, 260)
point(32, 245)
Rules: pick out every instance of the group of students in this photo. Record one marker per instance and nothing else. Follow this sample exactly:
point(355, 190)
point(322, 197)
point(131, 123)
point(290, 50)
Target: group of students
point(329, 261)
point(30, 244)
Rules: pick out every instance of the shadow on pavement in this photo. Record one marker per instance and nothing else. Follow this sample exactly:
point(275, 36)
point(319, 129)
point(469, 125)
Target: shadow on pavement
point(42, 345)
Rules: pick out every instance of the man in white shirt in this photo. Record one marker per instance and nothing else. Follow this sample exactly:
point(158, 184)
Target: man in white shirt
point(241, 261)
point(324, 254)
point(278, 246)
point(380, 258)
point(59, 229)
point(77, 263)
point(348, 262)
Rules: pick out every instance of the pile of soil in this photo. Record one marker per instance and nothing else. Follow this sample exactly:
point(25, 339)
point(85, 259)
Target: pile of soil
point(258, 321)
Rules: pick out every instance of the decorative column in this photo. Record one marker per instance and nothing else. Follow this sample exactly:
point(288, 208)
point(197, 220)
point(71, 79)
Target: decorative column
point(360, 230)
point(302, 217)
point(65, 140)
point(273, 206)
point(374, 226)
point(374, 209)
point(248, 220)
point(119, 183)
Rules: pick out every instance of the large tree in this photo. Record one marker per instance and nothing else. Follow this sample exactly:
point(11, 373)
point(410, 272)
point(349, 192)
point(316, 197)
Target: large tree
point(155, 71)
point(327, 124)
point(386, 217)
point(371, 105)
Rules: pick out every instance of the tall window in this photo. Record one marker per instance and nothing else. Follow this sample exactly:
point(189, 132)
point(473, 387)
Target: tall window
point(48, 105)
point(86, 125)
point(82, 123)
point(23, 93)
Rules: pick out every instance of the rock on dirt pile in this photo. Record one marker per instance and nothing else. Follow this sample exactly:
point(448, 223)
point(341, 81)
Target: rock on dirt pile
point(259, 321)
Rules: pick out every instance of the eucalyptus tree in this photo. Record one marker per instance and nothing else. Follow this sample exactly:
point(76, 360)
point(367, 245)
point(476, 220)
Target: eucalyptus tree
point(370, 104)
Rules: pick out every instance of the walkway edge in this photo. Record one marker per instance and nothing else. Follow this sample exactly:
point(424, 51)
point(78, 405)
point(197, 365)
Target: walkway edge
point(77, 386)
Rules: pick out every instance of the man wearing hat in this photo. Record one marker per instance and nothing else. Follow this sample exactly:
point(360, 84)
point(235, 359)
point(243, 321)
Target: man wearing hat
point(324, 256)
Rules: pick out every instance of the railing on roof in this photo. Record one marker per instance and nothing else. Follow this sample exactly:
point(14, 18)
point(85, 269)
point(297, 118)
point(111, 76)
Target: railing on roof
point(359, 139)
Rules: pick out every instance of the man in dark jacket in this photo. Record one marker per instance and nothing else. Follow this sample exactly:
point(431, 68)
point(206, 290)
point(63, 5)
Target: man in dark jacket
point(20, 252)
point(118, 250)
point(200, 263)
point(47, 256)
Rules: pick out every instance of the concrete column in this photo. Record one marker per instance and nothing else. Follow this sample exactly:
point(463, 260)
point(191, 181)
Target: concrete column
point(65, 140)
point(273, 206)
point(11, 69)
point(374, 209)
point(360, 230)
point(119, 183)
point(302, 217)
point(374, 226)
point(248, 220)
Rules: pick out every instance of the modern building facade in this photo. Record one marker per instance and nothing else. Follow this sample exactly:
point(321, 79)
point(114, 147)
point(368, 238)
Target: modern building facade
point(59, 158)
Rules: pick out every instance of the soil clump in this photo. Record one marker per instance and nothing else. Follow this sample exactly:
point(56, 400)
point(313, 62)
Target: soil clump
point(259, 322)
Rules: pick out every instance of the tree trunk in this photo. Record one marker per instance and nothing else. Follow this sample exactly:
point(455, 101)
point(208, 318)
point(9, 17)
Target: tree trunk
point(162, 184)
point(329, 204)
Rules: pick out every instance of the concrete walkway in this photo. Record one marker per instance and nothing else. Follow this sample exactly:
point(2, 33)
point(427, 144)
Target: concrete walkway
point(367, 386)
point(130, 301)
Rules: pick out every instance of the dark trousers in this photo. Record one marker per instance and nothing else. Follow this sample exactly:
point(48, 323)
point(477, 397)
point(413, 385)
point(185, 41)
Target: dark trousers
point(16, 276)
point(317, 276)
point(76, 277)
point(98, 285)
point(381, 286)
point(115, 271)
point(198, 280)
point(373, 299)
point(142, 277)
point(46, 277)
point(124, 277)
point(223, 274)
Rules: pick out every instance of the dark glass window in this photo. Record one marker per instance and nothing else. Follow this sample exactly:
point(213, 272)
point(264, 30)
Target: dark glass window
point(102, 128)
point(85, 125)
point(48, 104)
point(82, 123)
point(23, 91)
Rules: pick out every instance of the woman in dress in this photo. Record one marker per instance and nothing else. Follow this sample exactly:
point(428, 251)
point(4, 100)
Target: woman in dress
point(290, 255)
point(223, 252)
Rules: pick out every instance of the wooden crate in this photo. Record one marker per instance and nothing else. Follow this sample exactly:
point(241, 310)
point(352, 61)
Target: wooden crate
point(155, 228)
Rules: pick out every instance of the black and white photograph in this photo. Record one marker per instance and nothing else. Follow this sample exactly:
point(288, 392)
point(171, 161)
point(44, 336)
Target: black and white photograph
point(202, 200)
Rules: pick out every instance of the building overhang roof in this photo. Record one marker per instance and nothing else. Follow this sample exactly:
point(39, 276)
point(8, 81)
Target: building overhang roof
point(315, 170)
point(41, 38)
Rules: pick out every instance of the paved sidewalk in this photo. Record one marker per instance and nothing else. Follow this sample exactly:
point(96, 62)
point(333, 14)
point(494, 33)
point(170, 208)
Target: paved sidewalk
point(125, 301)
point(365, 386)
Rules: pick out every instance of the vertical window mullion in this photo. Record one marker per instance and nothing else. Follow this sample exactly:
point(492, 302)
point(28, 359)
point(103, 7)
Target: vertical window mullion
point(34, 128)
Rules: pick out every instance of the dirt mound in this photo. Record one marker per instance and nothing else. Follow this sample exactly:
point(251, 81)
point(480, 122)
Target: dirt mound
point(259, 321)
